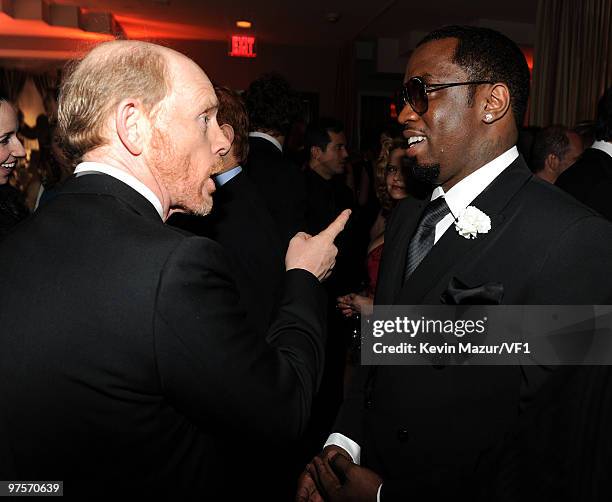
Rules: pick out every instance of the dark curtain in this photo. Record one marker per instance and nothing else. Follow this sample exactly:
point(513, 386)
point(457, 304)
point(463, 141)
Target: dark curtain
point(346, 95)
point(46, 85)
point(12, 82)
point(573, 60)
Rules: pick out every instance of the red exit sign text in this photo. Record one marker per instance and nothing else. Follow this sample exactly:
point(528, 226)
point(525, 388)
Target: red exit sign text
point(243, 47)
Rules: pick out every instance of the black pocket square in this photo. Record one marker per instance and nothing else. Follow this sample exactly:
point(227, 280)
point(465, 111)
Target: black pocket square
point(458, 293)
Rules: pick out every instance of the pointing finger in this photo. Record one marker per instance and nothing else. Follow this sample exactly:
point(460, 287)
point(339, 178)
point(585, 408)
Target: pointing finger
point(336, 226)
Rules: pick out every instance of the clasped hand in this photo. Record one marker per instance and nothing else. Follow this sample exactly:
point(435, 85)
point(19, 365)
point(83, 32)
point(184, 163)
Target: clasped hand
point(332, 477)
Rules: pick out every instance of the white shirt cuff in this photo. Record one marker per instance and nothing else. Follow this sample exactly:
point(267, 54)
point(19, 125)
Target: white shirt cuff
point(352, 448)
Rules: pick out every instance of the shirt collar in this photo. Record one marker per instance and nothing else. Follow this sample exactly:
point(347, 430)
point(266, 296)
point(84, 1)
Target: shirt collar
point(223, 178)
point(604, 146)
point(463, 193)
point(124, 177)
point(263, 135)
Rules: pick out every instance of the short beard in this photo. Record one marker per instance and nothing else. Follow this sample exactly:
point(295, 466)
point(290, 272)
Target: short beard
point(203, 210)
point(424, 173)
point(185, 195)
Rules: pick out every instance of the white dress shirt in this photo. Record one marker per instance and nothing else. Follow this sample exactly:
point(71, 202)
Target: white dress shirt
point(604, 146)
point(124, 177)
point(458, 198)
point(463, 193)
point(274, 141)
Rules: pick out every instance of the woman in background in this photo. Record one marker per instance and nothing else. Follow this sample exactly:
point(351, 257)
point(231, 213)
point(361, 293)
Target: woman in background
point(390, 188)
point(12, 207)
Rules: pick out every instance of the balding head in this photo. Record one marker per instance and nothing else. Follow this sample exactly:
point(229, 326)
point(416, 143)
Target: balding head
point(112, 71)
point(149, 111)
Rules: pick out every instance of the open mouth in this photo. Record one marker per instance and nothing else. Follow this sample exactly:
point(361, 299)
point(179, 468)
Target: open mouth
point(414, 140)
point(9, 166)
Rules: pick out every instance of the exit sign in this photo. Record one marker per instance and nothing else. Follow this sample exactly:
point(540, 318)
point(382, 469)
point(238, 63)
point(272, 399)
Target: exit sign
point(243, 47)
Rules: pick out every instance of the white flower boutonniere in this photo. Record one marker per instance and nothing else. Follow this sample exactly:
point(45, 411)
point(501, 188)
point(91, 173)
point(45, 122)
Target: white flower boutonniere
point(472, 221)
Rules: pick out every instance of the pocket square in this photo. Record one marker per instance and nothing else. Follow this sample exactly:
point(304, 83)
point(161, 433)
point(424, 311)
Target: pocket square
point(458, 293)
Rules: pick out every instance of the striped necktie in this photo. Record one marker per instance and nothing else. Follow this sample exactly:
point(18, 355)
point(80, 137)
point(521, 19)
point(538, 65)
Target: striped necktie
point(424, 236)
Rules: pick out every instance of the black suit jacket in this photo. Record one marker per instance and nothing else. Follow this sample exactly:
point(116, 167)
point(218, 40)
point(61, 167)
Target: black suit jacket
point(241, 223)
point(280, 184)
point(326, 199)
point(12, 208)
point(436, 432)
point(125, 359)
point(590, 181)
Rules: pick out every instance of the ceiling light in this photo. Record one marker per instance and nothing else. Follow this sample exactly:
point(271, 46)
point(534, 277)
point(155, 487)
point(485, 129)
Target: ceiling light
point(243, 24)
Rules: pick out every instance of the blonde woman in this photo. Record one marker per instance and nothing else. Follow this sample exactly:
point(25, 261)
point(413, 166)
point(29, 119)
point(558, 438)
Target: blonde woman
point(390, 188)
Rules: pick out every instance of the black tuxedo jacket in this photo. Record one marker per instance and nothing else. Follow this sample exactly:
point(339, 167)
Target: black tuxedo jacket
point(280, 184)
point(241, 223)
point(12, 208)
point(325, 200)
point(435, 432)
point(590, 181)
point(125, 359)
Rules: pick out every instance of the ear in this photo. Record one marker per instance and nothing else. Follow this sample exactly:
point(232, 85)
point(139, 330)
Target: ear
point(315, 152)
point(551, 163)
point(497, 103)
point(228, 132)
point(131, 123)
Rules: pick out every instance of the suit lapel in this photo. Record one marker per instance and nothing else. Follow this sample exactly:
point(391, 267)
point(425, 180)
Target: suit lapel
point(451, 249)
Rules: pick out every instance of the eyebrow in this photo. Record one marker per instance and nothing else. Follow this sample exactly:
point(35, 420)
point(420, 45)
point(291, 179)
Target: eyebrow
point(209, 103)
point(209, 106)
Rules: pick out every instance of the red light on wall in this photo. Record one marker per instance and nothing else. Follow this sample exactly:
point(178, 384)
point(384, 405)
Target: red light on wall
point(393, 111)
point(528, 53)
point(243, 47)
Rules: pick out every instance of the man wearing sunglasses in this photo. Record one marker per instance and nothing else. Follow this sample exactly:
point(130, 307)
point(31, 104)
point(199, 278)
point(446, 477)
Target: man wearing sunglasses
point(444, 432)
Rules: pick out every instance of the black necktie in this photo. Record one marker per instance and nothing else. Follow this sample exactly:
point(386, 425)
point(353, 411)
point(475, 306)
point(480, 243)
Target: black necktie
point(423, 239)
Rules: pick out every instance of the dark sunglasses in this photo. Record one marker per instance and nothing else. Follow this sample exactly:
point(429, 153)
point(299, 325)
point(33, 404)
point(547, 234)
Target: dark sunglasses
point(414, 93)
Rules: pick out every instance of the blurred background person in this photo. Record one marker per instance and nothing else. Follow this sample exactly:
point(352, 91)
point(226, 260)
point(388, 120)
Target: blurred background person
point(273, 106)
point(390, 189)
point(555, 148)
point(586, 130)
point(240, 221)
point(390, 185)
point(12, 205)
point(47, 166)
point(327, 194)
point(590, 179)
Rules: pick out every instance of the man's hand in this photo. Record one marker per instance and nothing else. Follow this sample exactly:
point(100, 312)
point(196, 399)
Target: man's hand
point(316, 254)
point(307, 489)
point(340, 480)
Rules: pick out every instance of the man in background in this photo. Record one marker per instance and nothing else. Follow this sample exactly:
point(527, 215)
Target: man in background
point(325, 144)
point(326, 195)
point(273, 106)
point(241, 222)
point(590, 179)
point(554, 149)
